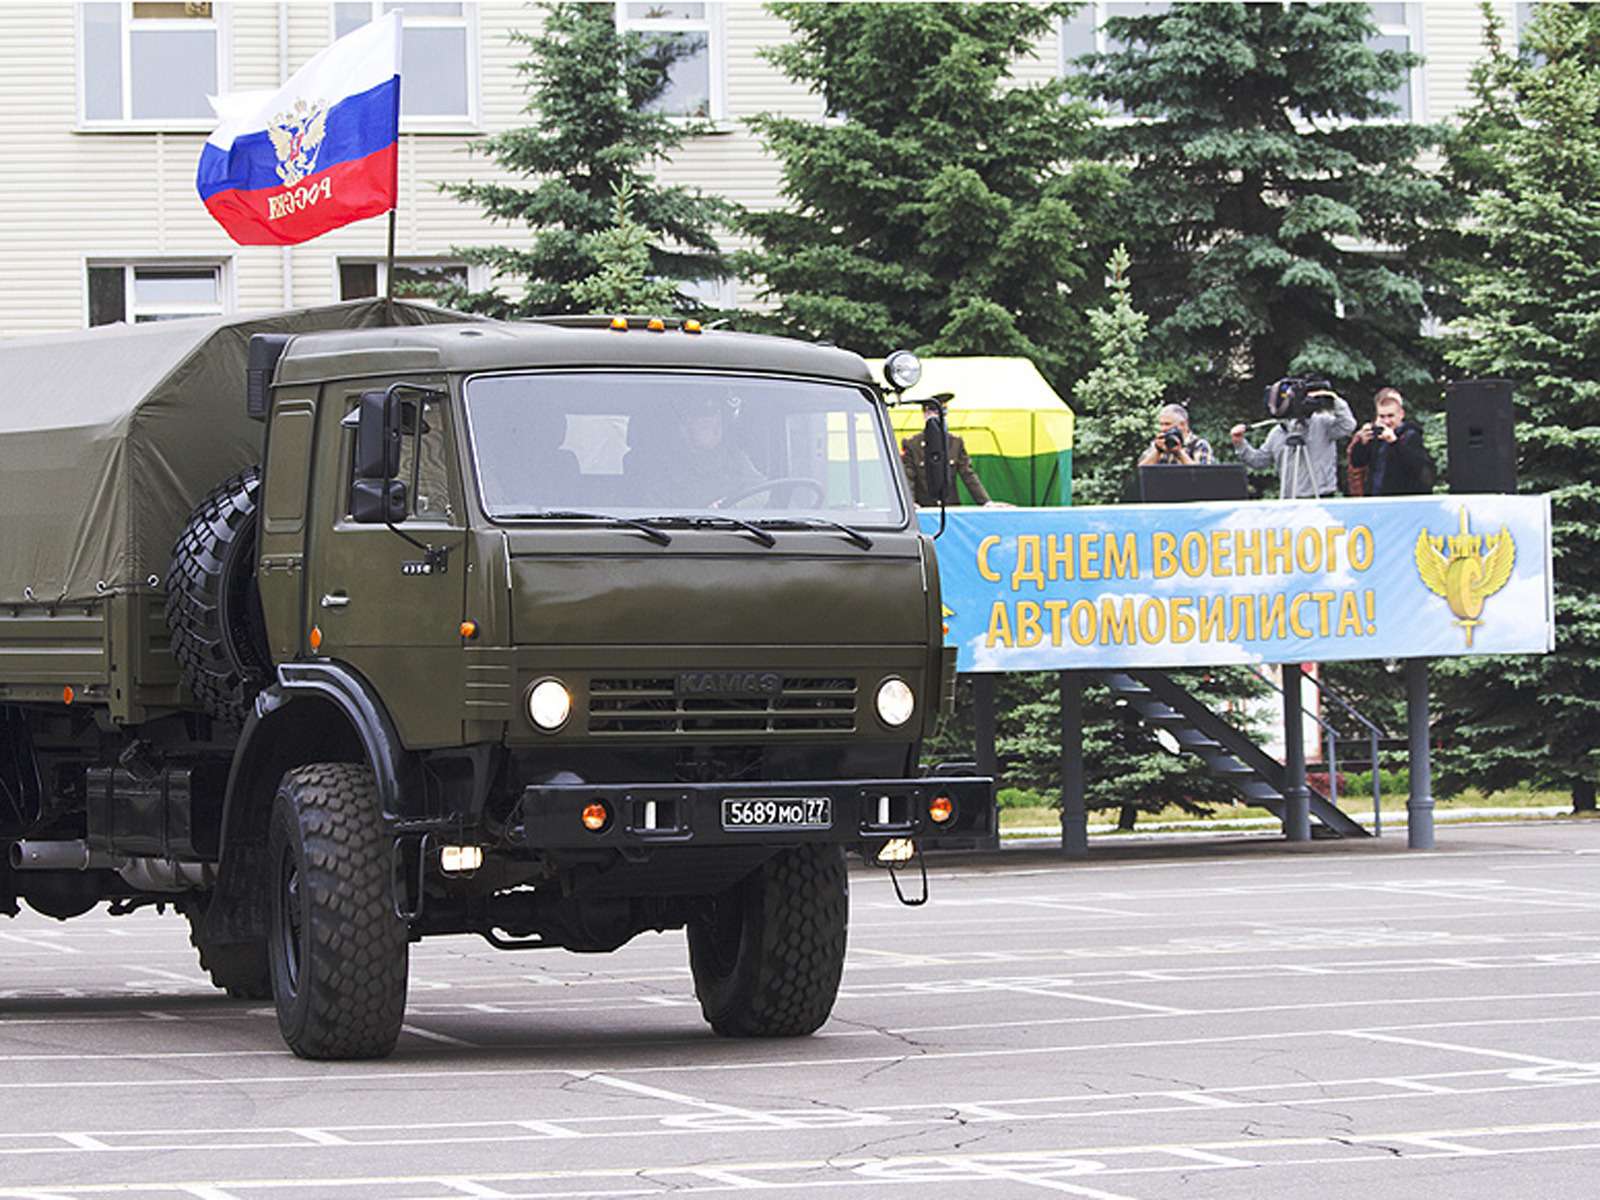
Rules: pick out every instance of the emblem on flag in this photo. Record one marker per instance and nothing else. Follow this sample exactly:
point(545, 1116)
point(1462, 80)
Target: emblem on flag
point(296, 137)
point(287, 166)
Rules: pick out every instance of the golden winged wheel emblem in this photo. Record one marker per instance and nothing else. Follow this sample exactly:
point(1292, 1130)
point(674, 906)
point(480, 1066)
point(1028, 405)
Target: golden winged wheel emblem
point(1476, 568)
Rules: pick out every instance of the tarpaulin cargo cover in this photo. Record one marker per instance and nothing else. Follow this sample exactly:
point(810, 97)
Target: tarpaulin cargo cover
point(110, 436)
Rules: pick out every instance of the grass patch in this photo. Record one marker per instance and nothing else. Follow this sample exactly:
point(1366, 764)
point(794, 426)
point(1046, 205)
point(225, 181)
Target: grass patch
point(1021, 808)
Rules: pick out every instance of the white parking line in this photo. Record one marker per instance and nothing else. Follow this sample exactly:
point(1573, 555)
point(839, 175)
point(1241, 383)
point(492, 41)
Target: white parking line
point(1054, 1168)
point(386, 1074)
point(1508, 1055)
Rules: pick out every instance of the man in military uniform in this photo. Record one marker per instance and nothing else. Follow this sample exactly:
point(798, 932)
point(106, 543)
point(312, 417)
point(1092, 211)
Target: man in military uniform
point(914, 456)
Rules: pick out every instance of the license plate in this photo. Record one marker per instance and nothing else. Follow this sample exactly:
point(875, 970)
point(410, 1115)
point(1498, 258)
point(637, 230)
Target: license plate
point(778, 812)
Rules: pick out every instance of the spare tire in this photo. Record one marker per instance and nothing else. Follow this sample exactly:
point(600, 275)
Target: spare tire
point(213, 608)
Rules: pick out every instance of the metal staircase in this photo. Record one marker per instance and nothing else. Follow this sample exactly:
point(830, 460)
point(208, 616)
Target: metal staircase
point(1229, 754)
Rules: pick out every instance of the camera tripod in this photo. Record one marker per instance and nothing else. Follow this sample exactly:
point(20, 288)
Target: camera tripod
point(1297, 468)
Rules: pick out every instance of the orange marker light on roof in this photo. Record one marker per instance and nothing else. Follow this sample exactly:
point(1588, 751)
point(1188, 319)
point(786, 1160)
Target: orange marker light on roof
point(316, 637)
point(620, 324)
point(656, 325)
point(691, 326)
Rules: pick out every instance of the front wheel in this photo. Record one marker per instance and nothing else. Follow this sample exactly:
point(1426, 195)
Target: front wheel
point(338, 951)
point(768, 955)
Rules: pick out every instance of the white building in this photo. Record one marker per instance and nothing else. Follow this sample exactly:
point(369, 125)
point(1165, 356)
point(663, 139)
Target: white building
point(106, 110)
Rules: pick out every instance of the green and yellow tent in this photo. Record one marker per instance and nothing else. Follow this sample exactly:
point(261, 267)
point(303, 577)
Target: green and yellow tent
point(1017, 430)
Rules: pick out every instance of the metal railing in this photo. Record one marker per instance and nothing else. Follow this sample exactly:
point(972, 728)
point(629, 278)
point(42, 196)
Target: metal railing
point(1374, 734)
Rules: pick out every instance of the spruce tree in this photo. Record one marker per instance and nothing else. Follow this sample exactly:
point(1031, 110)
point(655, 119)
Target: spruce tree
point(944, 206)
point(1115, 402)
point(1277, 202)
point(1532, 315)
point(592, 131)
point(1125, 765)
point(622, 282)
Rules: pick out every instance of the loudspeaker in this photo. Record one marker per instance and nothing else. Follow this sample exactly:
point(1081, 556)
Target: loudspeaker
point(1482, 436)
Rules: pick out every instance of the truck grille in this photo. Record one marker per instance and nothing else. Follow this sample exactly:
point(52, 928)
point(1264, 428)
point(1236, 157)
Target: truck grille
point(807, 704)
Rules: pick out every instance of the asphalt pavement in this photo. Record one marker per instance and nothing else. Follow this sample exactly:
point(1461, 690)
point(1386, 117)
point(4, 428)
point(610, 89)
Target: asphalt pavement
point(1225, 1020)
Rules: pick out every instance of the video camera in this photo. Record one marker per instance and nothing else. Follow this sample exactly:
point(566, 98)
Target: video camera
point(1297, 397)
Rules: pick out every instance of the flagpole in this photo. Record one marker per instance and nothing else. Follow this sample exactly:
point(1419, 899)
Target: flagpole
point(388, 270)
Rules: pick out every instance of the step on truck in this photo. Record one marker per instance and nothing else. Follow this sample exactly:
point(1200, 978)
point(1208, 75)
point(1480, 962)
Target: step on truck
point(338, 628)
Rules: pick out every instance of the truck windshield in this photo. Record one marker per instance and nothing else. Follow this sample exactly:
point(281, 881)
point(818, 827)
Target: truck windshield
point(638, 444)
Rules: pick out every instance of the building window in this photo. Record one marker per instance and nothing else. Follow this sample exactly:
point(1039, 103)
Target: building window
point(712, 293)
point(1400, 28)
point(688, 40)
point(361, 278)
point(140, 292)
point(152, 64)
point(1084, 31)
point(438, 58)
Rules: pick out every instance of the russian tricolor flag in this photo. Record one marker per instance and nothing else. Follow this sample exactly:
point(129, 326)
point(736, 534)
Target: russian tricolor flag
point(290, 165)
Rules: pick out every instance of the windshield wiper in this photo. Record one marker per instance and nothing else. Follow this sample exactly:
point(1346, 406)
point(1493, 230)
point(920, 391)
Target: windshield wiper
point(849, 531)
point(659, 536)
point(698, 521)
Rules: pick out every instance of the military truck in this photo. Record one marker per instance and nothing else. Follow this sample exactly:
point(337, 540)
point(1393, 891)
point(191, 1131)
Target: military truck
point(338, 628)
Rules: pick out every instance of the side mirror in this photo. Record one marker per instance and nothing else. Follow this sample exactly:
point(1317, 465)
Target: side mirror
point(377, 501)
point(936, 449)
point(378, 424)
point(376, 496)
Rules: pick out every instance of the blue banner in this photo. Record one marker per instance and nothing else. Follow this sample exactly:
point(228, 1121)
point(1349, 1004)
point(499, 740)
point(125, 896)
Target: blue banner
point(1174, 585)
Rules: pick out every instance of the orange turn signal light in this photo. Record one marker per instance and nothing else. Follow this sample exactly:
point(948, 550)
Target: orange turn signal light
point(68, 695)
point(941, 809)
point(619, 323)
point(595, 816)
point(316, 637)
point(691, 326)
point(656, 325)
point(469, 630)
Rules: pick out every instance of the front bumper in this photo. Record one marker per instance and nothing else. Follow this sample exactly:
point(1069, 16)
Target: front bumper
point(645, 815)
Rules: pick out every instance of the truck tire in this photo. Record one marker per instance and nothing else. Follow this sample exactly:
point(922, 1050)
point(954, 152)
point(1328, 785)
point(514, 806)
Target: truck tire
point(337, 950)
point(768, 956)
point(238, 968)
point(213, 610)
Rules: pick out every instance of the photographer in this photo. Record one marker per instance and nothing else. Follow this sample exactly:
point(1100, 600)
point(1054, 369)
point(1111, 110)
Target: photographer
point(1309, 418)
point(1173, 444)
point(1391, 452)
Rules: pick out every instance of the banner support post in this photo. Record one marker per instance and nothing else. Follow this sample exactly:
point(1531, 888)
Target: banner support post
point(1296, 799)
point(1074, 815)
point(1419, 804)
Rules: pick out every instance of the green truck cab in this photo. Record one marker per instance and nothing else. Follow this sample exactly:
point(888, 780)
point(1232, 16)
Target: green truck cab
point(344, 627)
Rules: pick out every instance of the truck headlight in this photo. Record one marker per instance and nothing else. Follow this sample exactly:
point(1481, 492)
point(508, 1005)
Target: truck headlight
point(896, 702)
point(549, 704)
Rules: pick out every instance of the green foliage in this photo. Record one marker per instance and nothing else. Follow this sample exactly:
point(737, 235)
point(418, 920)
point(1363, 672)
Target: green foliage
point(1532, 315)
point(1115, 401)
point(1264, 164)
point(592, 132)
point(622, 284)
point(948, 208)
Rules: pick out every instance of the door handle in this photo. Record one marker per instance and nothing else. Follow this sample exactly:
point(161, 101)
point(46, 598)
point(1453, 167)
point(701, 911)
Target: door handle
point(335, 600)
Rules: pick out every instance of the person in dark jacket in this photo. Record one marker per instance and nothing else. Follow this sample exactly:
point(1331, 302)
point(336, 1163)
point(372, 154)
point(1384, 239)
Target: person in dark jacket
point(1391, 452)
point(914, 456)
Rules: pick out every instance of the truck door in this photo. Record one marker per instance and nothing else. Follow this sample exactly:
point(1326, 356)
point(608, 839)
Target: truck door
point(379, 601)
